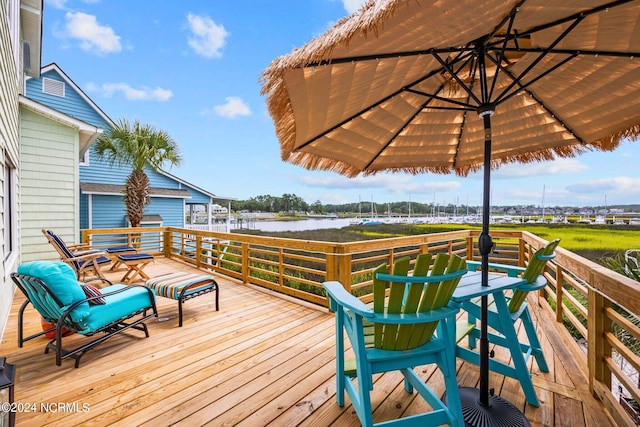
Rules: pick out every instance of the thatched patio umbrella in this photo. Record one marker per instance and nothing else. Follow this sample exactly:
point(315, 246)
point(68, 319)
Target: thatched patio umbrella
point(457, 86)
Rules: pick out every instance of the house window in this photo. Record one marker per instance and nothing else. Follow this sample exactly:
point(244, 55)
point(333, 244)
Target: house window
point(84, 160)
point(53, 87)
point(10, 208)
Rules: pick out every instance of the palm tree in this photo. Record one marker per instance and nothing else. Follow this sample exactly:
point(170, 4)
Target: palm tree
point(137, 145)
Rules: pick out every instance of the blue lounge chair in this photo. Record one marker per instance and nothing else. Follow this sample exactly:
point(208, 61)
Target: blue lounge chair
point(82, 260)
point(54, 291)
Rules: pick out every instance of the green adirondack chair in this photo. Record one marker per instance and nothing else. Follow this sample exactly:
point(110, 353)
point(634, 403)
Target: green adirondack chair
point(503, 322)
point(409, 324)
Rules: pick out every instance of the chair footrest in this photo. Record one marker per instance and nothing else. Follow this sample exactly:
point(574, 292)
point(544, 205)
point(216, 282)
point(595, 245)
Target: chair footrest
point(182, 287)
point(350, 367)
point(173, 285)
point(463, 328)
point(134, 257)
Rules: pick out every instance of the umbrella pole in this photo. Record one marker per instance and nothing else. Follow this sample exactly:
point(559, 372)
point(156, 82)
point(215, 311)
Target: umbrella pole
point(485, 245)
point(479, 406)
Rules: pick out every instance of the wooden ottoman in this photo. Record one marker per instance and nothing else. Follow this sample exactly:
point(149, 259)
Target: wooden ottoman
point(113, 253)
point(135, 263)
point(183, 286)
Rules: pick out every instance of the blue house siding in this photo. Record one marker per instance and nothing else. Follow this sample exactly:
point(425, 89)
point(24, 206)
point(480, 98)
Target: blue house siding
point(109, 212)
point(84, 211)
point(169, 209)
point(100, 171)
point(197, 197)
point(72, 103)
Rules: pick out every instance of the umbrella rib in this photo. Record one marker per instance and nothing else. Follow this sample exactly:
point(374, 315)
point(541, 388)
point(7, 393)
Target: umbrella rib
point(376, 57)
point(455, 76)
point(353, 116)
point(465, 105)
point(523, 88)
point(384, 147)
point(505, 41)
point(576, 52)
point(544, 53)
point(431, 51)
point(575, 16)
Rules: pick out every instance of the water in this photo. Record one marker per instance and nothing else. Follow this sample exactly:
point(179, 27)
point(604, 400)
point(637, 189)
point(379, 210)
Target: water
point(324, 223)
point(300, 225)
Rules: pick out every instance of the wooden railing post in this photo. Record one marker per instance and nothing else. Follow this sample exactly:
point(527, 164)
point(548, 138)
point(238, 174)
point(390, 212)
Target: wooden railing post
point(521, 249)
point(559, 285)
point(470, 248)
point(166, 243)
point(245, 262)
point(281, 267)
point(344, 271)
point(559, 292)
point(599, 349)
point(424, 248)
point(198, 250)
point(332, 268)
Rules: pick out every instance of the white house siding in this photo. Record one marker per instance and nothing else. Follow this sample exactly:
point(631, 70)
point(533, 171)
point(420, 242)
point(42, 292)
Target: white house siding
point(9, 142)
point(50, 184)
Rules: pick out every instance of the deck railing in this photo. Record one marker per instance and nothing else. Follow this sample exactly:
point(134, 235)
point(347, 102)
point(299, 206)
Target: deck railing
point(592, 303)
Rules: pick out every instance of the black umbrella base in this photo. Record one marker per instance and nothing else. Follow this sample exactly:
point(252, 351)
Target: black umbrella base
point(499, 412)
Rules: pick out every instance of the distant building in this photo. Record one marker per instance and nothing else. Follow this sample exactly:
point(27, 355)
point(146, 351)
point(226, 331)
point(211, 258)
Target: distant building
point(217, 209)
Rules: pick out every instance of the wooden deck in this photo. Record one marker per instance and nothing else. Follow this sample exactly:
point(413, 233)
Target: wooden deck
point(261, 360)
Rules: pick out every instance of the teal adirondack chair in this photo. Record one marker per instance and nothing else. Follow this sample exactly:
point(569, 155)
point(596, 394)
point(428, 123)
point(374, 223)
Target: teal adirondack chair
point(398, 332)
point(503, 322)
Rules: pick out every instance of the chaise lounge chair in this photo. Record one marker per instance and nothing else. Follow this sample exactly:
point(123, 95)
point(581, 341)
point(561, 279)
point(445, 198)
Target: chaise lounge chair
point(53, 290)
point(82, 259)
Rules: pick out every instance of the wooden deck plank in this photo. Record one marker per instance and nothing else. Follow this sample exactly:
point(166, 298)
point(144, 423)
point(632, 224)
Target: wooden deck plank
point(260, 360)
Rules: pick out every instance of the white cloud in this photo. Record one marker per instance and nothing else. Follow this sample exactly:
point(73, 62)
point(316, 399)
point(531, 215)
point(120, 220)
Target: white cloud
point(555, 167)
point(341, 182)
point(56, 4)
point(353, 5)
point(391, 183)
point(93, 37)
point(234, 107)
point(620, 184)
point(207, 38)
point(62, 4)
point(142, 93)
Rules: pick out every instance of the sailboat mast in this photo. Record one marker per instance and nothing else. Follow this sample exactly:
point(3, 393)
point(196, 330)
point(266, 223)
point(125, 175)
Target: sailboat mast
point(543, 188)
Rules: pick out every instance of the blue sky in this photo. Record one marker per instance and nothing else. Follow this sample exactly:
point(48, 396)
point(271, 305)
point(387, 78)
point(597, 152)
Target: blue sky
point(192, 68)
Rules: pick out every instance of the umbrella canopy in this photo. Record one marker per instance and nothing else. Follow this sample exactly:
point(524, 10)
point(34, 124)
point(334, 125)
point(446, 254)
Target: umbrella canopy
point(458, 85)
point(397, 86)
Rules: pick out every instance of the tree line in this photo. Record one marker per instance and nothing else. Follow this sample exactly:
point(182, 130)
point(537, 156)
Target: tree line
point(291, 204)
point(287, 203)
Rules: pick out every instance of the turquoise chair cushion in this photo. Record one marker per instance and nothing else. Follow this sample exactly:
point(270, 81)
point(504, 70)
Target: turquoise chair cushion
point(61, 280)
point(117, 306)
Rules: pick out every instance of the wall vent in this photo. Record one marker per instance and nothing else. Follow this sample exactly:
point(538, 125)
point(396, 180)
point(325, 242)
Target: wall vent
point(26, 56)
point(53, 87)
